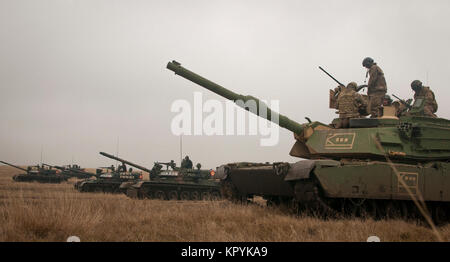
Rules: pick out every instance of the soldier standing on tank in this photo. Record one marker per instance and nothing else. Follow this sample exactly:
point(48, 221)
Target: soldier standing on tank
point(349, 104)
point(186, 163)
point(430, 107)
point(377, 88)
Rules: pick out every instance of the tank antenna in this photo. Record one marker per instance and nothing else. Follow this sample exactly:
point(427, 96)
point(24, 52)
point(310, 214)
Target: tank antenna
point(42, 149)
point(181, 148)
point(117, 152)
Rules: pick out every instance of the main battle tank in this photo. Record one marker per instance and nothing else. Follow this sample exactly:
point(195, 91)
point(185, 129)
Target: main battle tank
point(37, 174)
point(176, 183)
point(377, 166)
point(173, 183)
point(110, 181)
point(70, 171)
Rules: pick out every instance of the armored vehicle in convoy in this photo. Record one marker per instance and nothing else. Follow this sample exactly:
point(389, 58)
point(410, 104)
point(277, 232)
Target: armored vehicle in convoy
point(73, 171)
point(37, 173)
point(386, 166)
point(172, 182)
point(177, 183)
point(109, 181)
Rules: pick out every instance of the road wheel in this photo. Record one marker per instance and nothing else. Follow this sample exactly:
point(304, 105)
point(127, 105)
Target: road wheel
point(195, 195)
point(160, 195)
point(439, 214)
point(173, 195)
point(215, 195)
point(392, 210)
point(206, 196)
point(132, 193)
point(146, 194)
point(185, 195)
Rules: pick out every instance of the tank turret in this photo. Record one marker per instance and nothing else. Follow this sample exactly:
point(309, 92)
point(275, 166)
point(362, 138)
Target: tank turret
point(72, 171)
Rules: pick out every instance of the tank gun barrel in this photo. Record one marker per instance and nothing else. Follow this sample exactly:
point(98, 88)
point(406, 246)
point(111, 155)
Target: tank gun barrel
point(6, 163)
point(125, 161)
point(283, 121)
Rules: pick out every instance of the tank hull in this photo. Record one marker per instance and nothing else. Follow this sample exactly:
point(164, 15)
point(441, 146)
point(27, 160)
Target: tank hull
point(113, 187)
point(343, 185)
point(39, 178)
point(173, 190)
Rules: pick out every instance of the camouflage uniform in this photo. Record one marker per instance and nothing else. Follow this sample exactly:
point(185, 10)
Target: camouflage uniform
point(349, 103)
point(186, 163)
point(376, 90)
point(430, 106)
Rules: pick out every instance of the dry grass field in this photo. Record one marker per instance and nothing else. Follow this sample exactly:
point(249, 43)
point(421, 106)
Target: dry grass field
point(53, 212)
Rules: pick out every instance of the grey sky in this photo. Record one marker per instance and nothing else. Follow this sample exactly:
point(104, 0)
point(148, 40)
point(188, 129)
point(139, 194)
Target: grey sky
point(76, 76)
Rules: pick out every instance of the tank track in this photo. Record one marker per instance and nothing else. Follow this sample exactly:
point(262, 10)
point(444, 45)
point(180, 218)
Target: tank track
point(39, 179)
point(174, 192)
point(311, 201)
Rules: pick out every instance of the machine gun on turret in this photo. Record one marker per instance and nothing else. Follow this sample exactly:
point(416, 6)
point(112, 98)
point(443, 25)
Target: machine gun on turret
point(170, 164)
point(406, 103)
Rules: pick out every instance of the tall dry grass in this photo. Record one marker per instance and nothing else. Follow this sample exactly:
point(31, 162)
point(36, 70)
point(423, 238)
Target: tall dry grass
point(53, 212)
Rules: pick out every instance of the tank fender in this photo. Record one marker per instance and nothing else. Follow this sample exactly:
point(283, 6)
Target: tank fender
point(302, 169)
point(138, 184)
point(125, 185)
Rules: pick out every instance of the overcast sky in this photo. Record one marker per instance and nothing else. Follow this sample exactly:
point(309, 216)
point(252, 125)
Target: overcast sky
point(82, 76)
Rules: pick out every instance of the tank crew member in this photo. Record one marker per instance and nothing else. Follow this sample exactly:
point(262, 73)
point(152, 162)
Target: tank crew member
point(377, 87)
point(387, 100)
point(425, 92)
point(186, 163)
point(349, 103)
point(122, 168)
point(172, 164)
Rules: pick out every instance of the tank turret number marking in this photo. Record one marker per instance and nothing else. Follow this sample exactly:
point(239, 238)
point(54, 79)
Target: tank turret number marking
point(340, 141)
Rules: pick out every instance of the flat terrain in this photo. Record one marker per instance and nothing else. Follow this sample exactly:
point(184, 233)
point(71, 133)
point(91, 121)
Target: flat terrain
point(53, 212)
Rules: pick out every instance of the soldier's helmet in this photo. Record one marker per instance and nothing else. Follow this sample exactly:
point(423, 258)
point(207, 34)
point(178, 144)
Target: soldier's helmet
point(367, 62)
point(352, 85)
point(416, 85)
point(387, 100)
